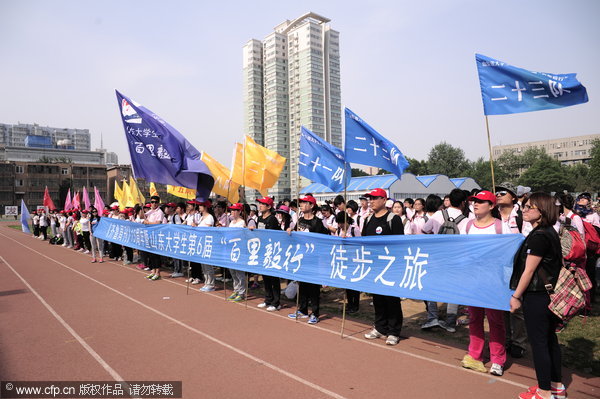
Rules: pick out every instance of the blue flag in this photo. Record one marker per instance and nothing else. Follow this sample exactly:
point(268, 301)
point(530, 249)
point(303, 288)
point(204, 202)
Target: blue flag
point(506, 89)
point(25, 218)
point(364, 145)
point(321, 162)
point(159, 153)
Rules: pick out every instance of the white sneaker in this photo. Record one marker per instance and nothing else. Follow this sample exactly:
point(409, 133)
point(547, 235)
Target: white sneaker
point(64, 245)
point(273, 308)
point(373, 334)
point(496, 369)
point(189, 280)
point(176, 275)
point(392, 340)
point(261, 305)
point(196, 281)
point(86, 252)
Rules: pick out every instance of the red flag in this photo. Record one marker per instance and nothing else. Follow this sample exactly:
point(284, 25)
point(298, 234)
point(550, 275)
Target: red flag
point(98, 203)
point(47, 200)
point(76, 201)
point(68, 203)
point(86, 199)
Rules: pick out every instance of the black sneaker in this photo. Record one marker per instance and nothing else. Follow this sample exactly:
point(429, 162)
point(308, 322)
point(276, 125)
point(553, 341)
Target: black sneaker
point(516, 352)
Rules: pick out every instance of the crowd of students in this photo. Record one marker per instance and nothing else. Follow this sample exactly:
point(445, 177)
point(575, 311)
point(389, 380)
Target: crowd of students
point(510, 210)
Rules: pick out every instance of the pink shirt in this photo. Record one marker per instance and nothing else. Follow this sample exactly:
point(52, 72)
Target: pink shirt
point(156, 216)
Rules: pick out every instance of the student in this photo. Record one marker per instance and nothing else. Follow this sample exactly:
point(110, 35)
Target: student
point(43, 225)
point(485, 223)
point(339, 204)
point(419, 216)
point(206, 219)
point(97, 243)
point(177, 219)
point(268, 221)
point(84, 222)
point(283, 217)
point(347, 228)
point(329, 219)
point(538, 262)
point(154, 216)
point(388, 309)
point(309, 292)
point(238, 276)
point(408, 207)
point(35, 221)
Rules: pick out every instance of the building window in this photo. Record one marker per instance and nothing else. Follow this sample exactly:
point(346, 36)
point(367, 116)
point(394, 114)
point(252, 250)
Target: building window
point(19, 169)
point(19, 183)
point(64, 171)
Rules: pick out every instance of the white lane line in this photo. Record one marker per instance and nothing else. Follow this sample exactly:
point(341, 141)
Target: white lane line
point(354, 338)
point(173, 320)
point(81, 341)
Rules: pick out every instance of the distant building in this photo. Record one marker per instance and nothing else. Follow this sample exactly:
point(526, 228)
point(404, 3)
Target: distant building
point(51, 155)
point(36, 136)
point(28, 180)
point(568, 150)
point(110, 158)
point(409, 186)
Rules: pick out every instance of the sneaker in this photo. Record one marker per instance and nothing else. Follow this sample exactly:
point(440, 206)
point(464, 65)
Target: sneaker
point(149, 276)
point(207, 288)
point(313, 319)
point(560, 393)
point(299, 315)
point(146, 268)
point(496, 369)
point(262, 305)
point(373, 334)
point(93, 260)
point(219, 278)
point(469, 363)
point(174, 275)
point(155, 277)
point(463, 322)
point(100, 261)
point(141, 266)
point(232, 296)
point(238, 298)
point(392, 340)
point(125, 263)
point(516, 352)
point(447, 326)
point(273, 308)
point(64, 245)
point(86, 252)
point(430, 324)
point(189, 280)
point(195, 281)
point(531, 395)
point(81, 250)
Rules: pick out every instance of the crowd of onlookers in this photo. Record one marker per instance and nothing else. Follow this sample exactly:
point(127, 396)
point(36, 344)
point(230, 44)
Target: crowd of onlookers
point(509, 210)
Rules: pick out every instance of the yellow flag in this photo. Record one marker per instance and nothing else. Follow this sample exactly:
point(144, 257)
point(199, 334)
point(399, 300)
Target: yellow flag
point(237, 171)
point(223, 184)
point(181, 192)
point(128, 200)
point(153, 191)
point(136, 194)
point(118, 193)
point(263, 164)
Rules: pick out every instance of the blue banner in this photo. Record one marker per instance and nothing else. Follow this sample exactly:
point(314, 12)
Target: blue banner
point(468, 270)
point(321, 162)
point(364, 145)
point(25, 218)
point(507, 89)
point(159, 153)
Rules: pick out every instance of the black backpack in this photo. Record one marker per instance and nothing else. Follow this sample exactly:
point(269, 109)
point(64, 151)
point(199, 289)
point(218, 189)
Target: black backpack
point(450, 225)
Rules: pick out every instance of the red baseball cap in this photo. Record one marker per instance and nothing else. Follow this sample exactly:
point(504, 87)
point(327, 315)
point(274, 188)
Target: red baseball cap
point(484, 195)
point(378, 192)
point(236, 207)
point(308, 198)
point(207, 203)
point(105, 213)
point(266, 200)
point(115, 208)
point(147, 206)
point(85, 211)
point(171, 205)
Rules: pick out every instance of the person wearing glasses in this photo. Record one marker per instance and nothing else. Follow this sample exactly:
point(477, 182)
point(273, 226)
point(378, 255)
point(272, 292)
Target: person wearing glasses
point(538, 262)
point(388, 309)
point(154, 216)
point(97, 243)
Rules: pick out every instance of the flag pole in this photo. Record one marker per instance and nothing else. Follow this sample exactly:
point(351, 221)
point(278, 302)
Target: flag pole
point(296, 228)
point(487, 126)
point(345, 233)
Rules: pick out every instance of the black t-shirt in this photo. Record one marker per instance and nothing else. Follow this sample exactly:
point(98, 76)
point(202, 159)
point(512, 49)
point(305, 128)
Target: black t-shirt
point(379, 226)
point(314, 225)
point(269, 223)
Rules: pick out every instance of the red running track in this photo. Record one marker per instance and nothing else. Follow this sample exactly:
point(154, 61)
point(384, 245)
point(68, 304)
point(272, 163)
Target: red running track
point(64, 318)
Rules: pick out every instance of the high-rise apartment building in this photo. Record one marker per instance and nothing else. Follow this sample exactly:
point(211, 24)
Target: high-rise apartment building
point(36, 136)
point(292, 79)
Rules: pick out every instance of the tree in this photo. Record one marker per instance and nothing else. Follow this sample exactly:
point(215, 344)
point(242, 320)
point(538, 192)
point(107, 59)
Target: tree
point(417, 167)
point(507, 167)
point(579, 175)
point(448, 160)
point(383, 172)
point(594, 172)
point(546, 174)
point(355, 172)
point(481, 172)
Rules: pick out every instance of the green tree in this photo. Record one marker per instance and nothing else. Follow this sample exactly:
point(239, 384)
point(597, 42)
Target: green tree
point(546, 174)
point(355, 172)
point(383, 172)
point(507, 167)
point(481, 172)
point(594, 172)
point(445, 159)
point(579, 175)
point(417, 167)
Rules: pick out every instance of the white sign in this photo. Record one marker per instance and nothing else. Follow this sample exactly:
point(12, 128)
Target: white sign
point(10, 210)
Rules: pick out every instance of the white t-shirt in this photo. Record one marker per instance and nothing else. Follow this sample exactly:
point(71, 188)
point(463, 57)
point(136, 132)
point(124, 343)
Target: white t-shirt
point(85, 224)
point(437, 219)
point(239, 223)
point(575, 221)
point(490, 229)
point(593, 218)
point(206, 221)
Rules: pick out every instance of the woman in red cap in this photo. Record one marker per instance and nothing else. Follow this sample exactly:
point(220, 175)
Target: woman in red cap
point(309, 292)
point(238, 276)
point(207, 219)
point(485, 223)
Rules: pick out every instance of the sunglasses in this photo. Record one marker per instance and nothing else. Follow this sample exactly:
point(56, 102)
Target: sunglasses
point(501, 193)
point(529, 207)
point(154, 202)
point(374, 198)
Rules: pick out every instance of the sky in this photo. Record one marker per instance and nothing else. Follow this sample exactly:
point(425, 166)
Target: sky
point(407, 68)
